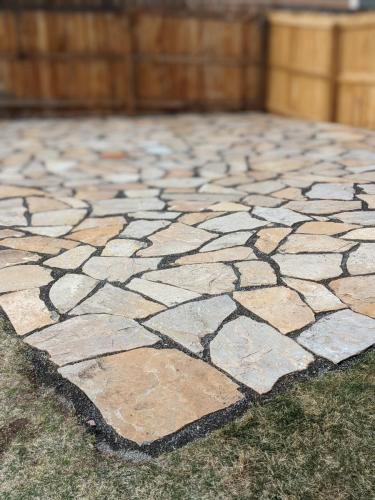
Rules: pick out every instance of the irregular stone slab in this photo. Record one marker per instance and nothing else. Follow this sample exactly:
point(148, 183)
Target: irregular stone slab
point(323, 207)
point(39, 244)
point(316, 295)
point(23, 277)
point(177, 238)
point(166, 294)
point(369, 199)
point(15, 191)
point(364, 218)
point(12, 213)
point(10, 233)
point(118, 268)
point(200, 278)
point(233, 222)
point(269, 239)
point(72, 258)
point(362, 260)
point(256, 354)
point(366, 233)
point(122, 248)
point(339, 336)
point(90, 335)
point(357, 292)
point(70, 217)
point(227, 241)
point(147, 394)
point(141, 228)
point(188, 323)
point(225, 255)
point(26, 311)
point(279, 306)
point(265, 187)
point(52, 231)
point(113, 300)
point(280, 215)
point(331, 192)
point(259, 200)
point(125, 205)
point(227, 206)
point(100, 222)
point(96, 236)
point(328, 228)
point(312, 267)
point(195, 218)
point(43, 204)
point(310, 243)
point(69, 290)
point(256, 274)
point(14, 257)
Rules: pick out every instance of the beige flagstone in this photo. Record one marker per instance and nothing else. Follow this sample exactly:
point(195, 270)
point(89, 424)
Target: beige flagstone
point(225, 255)
point(317, 296)
point(358, 292)
point(328, 228)
point(256, 273)
point(14, 257)
point(23, 277)
point(71, 259)
point(310, 243)
point(269, 239)
point(309, 266)
point(279, 306)
point(39, 244)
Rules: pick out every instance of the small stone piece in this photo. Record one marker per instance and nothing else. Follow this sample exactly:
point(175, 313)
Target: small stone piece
point(256, 354)
point(227, 241)
point(331, 192)
point(323, 207)
point(280, 215)
point(166, 294)
point(225, 255)
point(177, 238)
point(125, 205)
point(362, 260)
point(328, 228)
point(122, 248)
point(141, 228)
point(188, 323)
point(279, 306)
point(72, 258)
point(147, 394)
point(200, 278)
point(14, 257)
point(58, 217)
point(256, 274)
point(113, 300)
point(90, 335)
point(23, 277)
point(366, 233)
point(357, 292)
point(69, 290)
point(316, 295)
point(339, 336)
point(26, 310)
point(269, 239)
point(312, 267)
point(364, 217)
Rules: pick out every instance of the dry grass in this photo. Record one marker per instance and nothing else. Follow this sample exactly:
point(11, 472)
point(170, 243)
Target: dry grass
point(316, 442)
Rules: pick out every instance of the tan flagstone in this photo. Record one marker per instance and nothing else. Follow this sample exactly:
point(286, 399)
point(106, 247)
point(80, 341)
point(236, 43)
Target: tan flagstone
point(114, 300)
point(269, 239)
point(365, 233)
point(227, 206)
point(39, 244)
point(227, 240)
point(90, 335)
point(256, 273)
point(289, 193)
point(310, 243)
point(309, 266)
point(166, 294)
point(70, 216)
point(71, 259)
point(369, 199)
point(225, 255)
point(317, 296)
point(358, 292)
point(259, 200)
point(141, 228)
point(147, 394)
point(234, 222)
point(122, 248)
point(196, 218)
point(212, 278)
point(14, 257)
point(322, 207)
point(328, 228)
point(118, 268)
point(26, 310)
point(23, 277)
point(15, 191)
point(279, 306)
point(44, 204)
point(10, 233)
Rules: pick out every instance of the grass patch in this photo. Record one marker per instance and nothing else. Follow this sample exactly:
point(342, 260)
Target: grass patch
point(314, 442)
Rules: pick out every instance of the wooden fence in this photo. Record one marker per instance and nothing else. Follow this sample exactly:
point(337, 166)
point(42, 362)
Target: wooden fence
point(322, 67)
point(130, 60)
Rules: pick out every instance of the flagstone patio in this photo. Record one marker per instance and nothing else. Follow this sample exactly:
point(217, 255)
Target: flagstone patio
point(173, 268)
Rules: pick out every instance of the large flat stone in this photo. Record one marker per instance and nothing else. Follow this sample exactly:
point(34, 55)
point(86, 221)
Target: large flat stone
point(166, 294)
point(14, 257)
point(118, 268)
point(148, 394)
point(67, 291)
point(23, 277)
point(309, 266)
point(90, 335)
point(71, 259)
point(256, 354)
point(39, 244)
point(358, 292)
point(339, 336)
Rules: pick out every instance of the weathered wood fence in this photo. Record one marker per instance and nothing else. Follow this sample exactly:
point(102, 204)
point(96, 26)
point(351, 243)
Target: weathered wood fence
point(130, 59)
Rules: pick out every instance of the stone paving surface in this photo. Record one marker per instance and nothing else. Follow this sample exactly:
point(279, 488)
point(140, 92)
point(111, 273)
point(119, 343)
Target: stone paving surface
point(171, 266)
